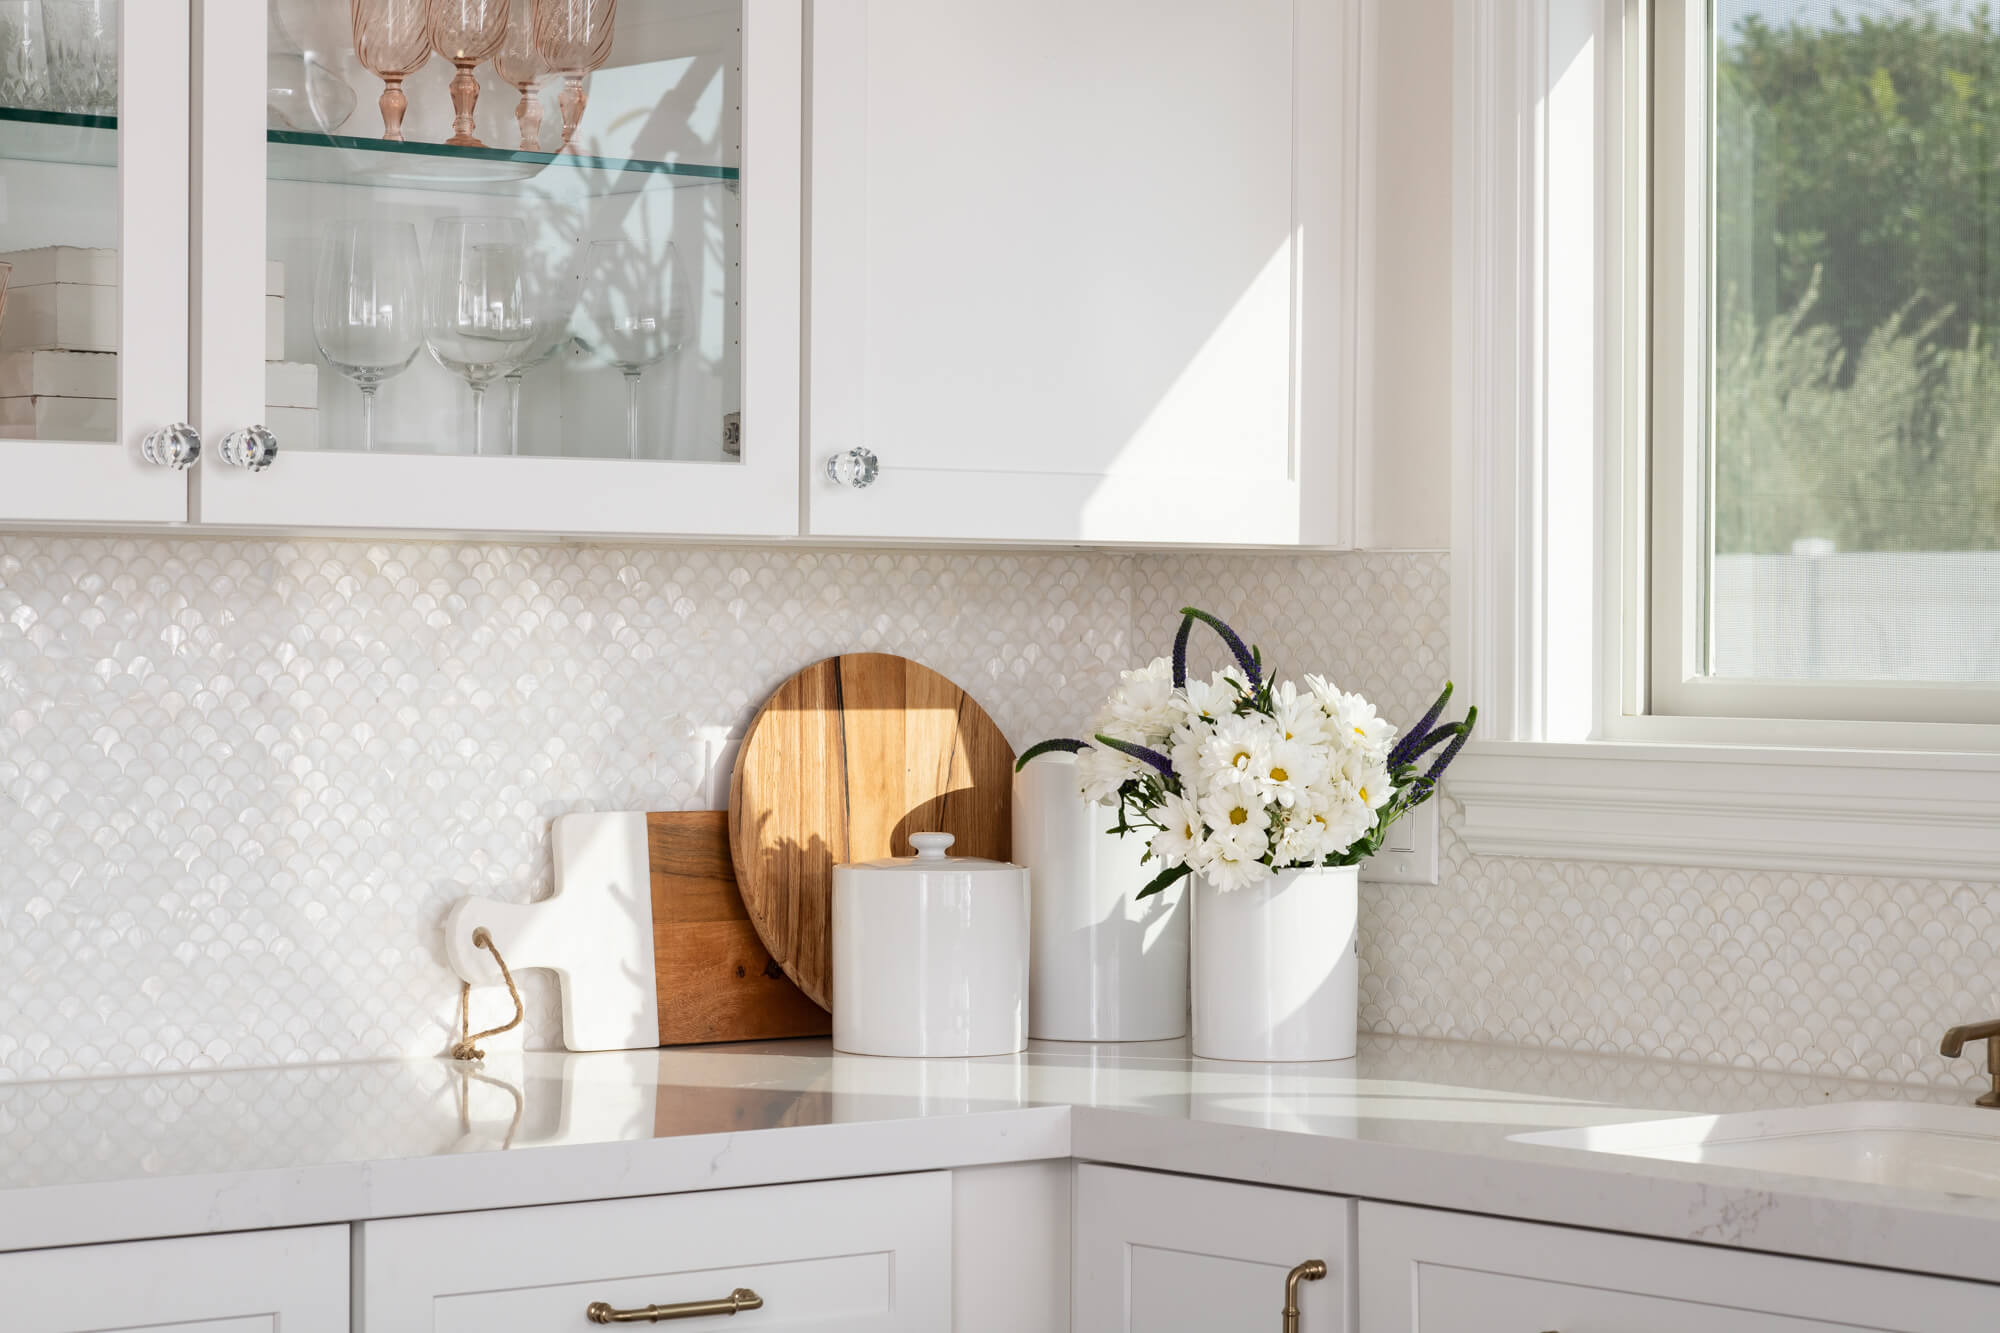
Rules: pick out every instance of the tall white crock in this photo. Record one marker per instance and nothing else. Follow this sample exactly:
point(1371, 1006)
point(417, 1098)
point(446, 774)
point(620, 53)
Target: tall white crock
point(1105, 965)
point(1276, 976)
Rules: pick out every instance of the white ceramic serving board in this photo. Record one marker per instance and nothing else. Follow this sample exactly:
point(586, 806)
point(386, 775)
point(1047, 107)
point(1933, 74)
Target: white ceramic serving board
point(595, 932)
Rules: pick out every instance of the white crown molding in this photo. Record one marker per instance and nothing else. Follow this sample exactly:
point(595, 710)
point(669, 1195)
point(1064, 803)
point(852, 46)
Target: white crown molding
point(1825, 811)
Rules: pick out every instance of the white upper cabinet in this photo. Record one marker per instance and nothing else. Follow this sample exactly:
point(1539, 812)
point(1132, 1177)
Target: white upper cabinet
point(94, 221)
point(484, 325)
point(1085, 272)
point(1075, 273)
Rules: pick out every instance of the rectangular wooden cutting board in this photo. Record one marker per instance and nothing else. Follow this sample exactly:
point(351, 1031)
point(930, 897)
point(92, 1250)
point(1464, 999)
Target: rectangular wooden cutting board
point(714, 978)
point(647, 936)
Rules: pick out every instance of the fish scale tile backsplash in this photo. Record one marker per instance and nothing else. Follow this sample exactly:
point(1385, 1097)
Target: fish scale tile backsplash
point(242, 780)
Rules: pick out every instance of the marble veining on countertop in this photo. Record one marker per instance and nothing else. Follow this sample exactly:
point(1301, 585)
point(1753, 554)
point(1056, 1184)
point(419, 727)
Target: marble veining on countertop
point(1410, 1120)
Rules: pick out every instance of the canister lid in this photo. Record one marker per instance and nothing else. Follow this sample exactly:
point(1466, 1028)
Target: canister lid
point(931, 856)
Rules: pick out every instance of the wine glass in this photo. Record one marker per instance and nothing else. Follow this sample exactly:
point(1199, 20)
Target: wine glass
point(476, 318)
point(574, 38)
point(392, 39)
point(305, 95)
point(82, 50)
point(24, 73)
point(520, 64)
point(367, 306)
point(551, 299)
point(467, 33)
point(640, 310)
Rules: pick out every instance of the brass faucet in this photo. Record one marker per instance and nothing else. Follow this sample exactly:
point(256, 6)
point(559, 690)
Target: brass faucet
point(1954, 1042)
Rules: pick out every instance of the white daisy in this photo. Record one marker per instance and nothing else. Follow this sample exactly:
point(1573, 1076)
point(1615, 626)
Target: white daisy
point(1228, 872)
point(1101, 771)
point(1237, 821)
point(1236, 751)
point(1143, 705)
point(1354, 716)
point(1373, 788)
point(1210, 700)
point(1299, 716)
point(1288, 770)
point(1181, 834)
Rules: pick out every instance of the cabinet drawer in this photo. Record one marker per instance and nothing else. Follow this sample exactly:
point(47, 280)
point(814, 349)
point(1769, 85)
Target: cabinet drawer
point(1431, 1272)
point(869, 1254)
point(1158, 1253)
point(252, 1282)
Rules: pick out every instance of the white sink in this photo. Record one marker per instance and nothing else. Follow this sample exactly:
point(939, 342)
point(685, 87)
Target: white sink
point(1952, 1149)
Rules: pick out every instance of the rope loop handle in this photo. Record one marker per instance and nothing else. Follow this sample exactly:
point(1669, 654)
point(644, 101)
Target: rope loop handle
point(466, 1047)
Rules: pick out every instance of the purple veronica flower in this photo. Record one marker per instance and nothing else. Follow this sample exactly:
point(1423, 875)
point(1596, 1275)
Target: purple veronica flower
point(1045, 747)
point(1141, 753)
point(1406, 749)
point(1451, 751)
point(1244, 657)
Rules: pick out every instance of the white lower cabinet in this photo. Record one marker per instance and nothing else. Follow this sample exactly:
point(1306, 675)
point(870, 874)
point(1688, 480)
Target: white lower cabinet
point(1424, 1271)
point(869, 1254)
point(291, 1281)
point(1160, 1253)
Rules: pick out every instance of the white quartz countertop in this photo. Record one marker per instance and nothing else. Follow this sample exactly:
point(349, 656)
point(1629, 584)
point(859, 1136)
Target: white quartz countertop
point(1410, 1121)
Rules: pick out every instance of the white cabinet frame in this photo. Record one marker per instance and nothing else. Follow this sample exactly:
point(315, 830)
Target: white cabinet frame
point(68, 481)
point(341, 488)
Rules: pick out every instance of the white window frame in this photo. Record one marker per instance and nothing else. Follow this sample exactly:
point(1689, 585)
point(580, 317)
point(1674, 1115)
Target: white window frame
point(1681, 97)
point(1550, 532)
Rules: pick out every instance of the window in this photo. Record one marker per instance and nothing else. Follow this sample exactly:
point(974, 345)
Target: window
point(1825, 415)
point(1626, 502)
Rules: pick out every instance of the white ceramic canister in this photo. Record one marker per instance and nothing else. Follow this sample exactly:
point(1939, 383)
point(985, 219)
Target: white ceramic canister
point(1108, 965)
point(1275, 968)
point(930, 954)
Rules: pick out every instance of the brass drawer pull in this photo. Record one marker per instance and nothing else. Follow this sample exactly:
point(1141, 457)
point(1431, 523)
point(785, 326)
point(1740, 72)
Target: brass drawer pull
point(600, 1312)
point(1312, 1270)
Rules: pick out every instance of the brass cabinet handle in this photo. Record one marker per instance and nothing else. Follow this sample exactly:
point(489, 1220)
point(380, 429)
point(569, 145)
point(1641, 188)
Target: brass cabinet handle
point(600, 1312)
point(1312, 1270)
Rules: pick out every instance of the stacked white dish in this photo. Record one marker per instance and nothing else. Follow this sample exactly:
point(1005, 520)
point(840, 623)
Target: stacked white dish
point(59, 351)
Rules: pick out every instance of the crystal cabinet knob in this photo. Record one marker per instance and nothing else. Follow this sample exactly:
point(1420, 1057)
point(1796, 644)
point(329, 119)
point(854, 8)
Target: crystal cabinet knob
point(855, 467)
point(253, 447)
point(176, 446)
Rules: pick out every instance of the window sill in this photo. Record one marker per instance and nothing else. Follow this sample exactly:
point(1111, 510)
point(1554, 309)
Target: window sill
point(1895, 813)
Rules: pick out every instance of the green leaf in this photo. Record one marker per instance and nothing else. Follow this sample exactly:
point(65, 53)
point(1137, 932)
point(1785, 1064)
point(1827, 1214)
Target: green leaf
point(1165, 880)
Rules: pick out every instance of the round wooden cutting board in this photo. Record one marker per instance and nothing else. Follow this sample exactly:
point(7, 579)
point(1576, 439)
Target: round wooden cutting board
point(845, 761)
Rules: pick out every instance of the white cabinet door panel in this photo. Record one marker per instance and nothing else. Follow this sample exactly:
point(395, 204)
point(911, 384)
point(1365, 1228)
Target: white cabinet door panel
point(1160, 1253)
point(730, 98)
point(851, 1255)
point(1431, 1272)
point(292, 1281)
point(1079, 271)
point(100, 184)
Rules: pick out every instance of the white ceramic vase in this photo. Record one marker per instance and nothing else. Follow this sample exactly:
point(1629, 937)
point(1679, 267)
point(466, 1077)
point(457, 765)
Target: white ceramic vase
point(1275, 968)
point(1105, 965)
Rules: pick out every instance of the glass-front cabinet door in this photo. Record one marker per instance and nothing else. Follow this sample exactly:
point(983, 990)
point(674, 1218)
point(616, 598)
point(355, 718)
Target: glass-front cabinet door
point(94, 261)
point(499, 265)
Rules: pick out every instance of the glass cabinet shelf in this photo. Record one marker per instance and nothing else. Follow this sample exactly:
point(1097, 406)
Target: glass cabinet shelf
point(32, 135)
